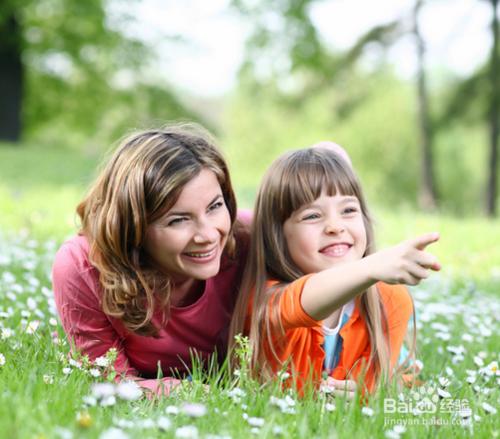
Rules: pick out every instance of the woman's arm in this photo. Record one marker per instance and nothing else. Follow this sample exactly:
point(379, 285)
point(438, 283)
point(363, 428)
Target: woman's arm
point(405, 263)
point(87, 327)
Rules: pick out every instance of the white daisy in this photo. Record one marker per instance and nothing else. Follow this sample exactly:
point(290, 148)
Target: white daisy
point(489, 408)
point(96, 373)
point(114, 433)
point(478, 361)
point(102, 390)
point(48, 379)
point(187, 432)
point(367, 411)
point(128, 390)
point(194, 410)
point(32, 326)
point(7, 333)
point(101, 362)
point(172, 410)
point(255, 422)
point(164, 423)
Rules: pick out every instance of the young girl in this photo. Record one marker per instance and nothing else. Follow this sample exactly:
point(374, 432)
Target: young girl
point(322, 300)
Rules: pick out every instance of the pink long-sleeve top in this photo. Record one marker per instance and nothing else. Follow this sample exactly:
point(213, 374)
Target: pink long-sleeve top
point(201, 326)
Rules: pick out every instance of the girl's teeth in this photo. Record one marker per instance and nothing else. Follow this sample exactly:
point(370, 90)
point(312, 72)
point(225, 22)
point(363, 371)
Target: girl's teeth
point(337, 250)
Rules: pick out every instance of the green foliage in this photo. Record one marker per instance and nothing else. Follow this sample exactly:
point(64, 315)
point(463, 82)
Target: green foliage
point(284, 38)
point(374, 117)
point(85, 81)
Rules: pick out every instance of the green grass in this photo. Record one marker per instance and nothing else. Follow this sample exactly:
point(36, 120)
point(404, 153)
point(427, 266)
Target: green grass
point(30, 407)
point(40, 187)
point(38, 194)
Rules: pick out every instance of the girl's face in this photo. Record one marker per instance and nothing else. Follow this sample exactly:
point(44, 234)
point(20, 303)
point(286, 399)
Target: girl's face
point(326, 232)
point(188, 241)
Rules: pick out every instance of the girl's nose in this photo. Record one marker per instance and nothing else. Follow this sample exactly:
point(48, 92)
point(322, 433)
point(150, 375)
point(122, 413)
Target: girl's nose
point(334, 227)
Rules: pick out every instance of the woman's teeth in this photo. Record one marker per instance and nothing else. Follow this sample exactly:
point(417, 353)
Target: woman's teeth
point(199, 255)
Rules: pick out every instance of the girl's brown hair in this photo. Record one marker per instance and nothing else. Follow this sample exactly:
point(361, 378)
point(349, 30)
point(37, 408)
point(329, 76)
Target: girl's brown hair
point(293, 180)
point(140, 183)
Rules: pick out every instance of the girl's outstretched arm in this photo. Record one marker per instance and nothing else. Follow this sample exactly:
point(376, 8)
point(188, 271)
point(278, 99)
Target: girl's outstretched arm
point(406, 263)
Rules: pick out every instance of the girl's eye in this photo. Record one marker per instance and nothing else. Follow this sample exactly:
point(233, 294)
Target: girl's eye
point(350, 209)
point(310, 216)
point(176, 221)
point(216, 205)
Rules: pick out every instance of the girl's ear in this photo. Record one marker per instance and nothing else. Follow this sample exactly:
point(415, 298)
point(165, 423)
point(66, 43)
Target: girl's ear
point(335, 147)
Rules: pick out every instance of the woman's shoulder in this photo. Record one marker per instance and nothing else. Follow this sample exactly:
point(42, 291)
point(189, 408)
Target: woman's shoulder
point(236, 257)
point(244, 216)
point(74, 278)
point(73, 256)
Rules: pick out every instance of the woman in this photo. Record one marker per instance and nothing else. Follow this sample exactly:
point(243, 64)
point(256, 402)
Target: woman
point(156, 266)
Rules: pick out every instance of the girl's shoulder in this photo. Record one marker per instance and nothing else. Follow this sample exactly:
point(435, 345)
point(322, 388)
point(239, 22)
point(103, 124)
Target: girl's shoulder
point(396, 298)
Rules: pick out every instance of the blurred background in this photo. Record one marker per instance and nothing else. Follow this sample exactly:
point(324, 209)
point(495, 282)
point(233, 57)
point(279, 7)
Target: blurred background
point(409, 87)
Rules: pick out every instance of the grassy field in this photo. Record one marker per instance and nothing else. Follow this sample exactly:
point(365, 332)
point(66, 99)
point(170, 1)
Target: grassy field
point(43, 395)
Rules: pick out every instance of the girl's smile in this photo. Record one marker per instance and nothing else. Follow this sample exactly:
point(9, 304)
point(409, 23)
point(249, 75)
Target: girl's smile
point(336, 250)
point(328, 231)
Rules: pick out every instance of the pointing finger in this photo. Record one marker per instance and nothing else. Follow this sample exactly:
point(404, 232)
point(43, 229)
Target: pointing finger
point(422, 241)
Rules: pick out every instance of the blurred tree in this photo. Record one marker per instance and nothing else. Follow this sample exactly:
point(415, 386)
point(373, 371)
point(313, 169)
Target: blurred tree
point(494, 111)
point(428, 191)
point(286, 42)
point(477, 98)
point(11, 73)
point(80, 72)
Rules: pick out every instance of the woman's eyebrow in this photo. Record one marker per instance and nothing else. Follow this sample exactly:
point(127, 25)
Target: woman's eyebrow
point(179, 213)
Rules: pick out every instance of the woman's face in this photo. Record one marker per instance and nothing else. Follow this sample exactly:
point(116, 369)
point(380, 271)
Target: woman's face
point(188, 241)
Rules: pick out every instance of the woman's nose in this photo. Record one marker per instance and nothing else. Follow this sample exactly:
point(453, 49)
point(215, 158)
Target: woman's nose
point(206, 233)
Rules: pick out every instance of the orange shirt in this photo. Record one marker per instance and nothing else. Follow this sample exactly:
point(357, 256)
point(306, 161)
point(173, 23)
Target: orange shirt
point(302, 344)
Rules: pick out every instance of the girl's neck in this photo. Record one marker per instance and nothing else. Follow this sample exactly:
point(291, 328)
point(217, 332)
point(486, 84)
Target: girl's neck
point(333, 319)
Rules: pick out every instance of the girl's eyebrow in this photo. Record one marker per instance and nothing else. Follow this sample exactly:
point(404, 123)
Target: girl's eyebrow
point(349, 198)
point(178, 213)
point(308, 206)
point(344, 199)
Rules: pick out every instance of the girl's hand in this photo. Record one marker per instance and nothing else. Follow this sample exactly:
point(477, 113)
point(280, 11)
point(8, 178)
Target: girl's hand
point(342, 388)
point(406, 263)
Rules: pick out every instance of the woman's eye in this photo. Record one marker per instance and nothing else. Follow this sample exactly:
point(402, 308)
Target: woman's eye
point(216, 205)
point(175, 221)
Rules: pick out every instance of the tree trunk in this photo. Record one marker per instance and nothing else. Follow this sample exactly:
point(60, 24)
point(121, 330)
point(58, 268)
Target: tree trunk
point(491, 196)
point(428, 193)
point(11, 78)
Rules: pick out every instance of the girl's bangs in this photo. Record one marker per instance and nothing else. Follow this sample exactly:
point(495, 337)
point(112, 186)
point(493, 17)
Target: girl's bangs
point(306, 178)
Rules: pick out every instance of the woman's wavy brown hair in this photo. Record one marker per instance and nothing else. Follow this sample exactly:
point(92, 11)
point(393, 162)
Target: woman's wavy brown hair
point(295, 179)
point(140, 183)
